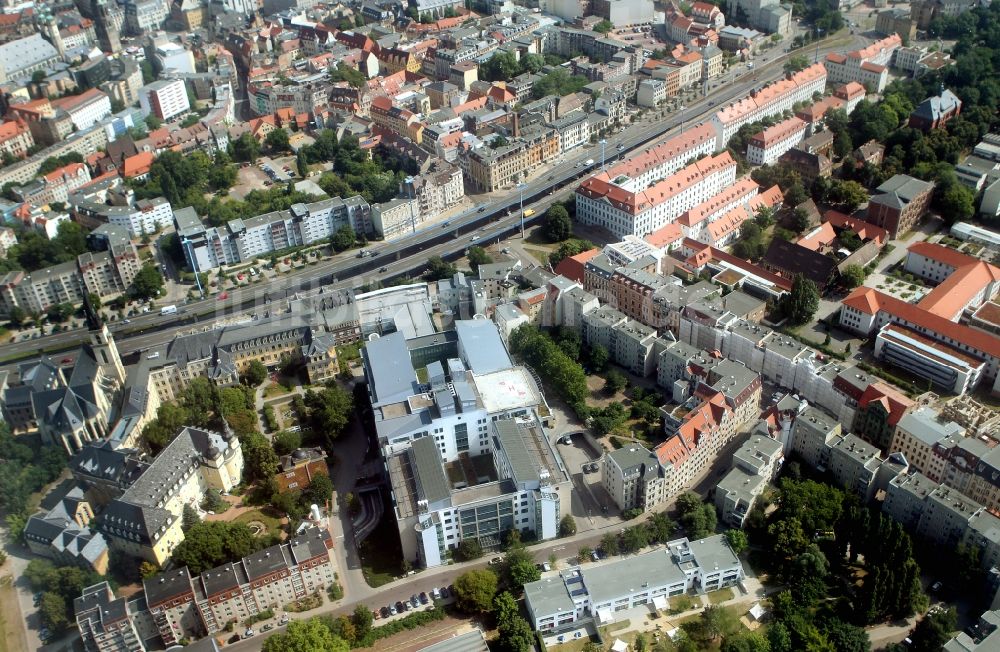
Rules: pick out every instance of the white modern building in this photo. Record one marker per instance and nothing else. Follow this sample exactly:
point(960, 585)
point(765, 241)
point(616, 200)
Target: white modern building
point(593, 593)
point(755, 464)
point(165, 99)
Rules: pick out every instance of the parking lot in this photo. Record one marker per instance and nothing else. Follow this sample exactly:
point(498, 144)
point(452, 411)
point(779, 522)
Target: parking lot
point(590, 498)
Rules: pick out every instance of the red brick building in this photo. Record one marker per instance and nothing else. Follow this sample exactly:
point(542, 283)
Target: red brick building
point(297, 470)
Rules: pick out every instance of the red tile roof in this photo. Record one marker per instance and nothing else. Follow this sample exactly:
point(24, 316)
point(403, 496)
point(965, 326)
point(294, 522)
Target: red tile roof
point(573, 266)
point(895, 403)
point(138, 165)
point(942, 254)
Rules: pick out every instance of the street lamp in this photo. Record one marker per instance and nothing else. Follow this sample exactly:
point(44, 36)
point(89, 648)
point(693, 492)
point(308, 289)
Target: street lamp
point(603, 143)
point(520, 189)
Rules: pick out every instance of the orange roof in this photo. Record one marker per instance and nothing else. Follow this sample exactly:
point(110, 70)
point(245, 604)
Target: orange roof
point(819, 237)
point(667, 235)
point(942, 254)
point(702, 253)
point(865, 230)
point(572, 267)
point(876, 48)
point(894, 403)
point(742, 191)
point(698, 424)
point(729, 222)
point(872, 67)
point(779, 132)
point(770, 198)
point(957, 291)
point(11, 129)
point(870, 302)
point(770, 94)
point(138, 165)
point(833, 57)
point(69, 170)
point(817, 110)
point(850, 90)
point(671, 149)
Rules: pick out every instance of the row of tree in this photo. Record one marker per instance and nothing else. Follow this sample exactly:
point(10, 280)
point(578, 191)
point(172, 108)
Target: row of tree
point(558, 370)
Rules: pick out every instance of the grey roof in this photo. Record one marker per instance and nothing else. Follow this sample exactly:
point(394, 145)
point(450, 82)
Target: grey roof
point(634, 458)
point(934, 107)
point(548, 596)
point(391, 377)
point(613, 580)
point(432, 484)
point(187, 221)
point(741, 303)
point(266, 561)
point(311, 544)
point(925, 426)
point(713, 553)
point(166, 586)
point(902, 188)
point(223, 578)
point(525, 465)
point(24, 53)
point(482, 346)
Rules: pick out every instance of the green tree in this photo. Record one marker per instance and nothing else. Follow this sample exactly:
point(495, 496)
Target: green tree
point(277, 141)
point(305, 636)
point(246, 148)
point(502, 66)
point(344, 238)
point(468, 549)
point(520, 567)
point(934, 630)
point(957, 203)
point(567, 526)
point(802, 302)
point(438, 269)
point(189, 518)
point(319, 491)
point(746, 642)
point(255, 373)
point(737, 541)
point(847, 194)
point(800, 219)
point(796, 63)
point(853, 275)
point(615, 381)
point(603, 27)
point(635, 538)
point(477, 256)
point(475, 590)
point(599, 358)
point(52, 611)
point(557, 223)
point(147, 284)
point(362, 619)
point(569, 248)
point(661, 528)
point(328, 412)
point(717, 621)
point(152, 122)
point(609, 544)
point(148, 570)
point(285, 442)
point(846, 637)
point(261, 462)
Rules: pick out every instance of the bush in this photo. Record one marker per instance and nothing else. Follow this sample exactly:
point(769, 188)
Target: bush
point(411, 621)
point(267, 614)
point(335, 591)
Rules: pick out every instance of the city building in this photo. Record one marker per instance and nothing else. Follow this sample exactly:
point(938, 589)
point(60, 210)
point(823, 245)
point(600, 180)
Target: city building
point(767, 147)
point(755, 465)
point(297, 469)
point(593, 593)
point(145, 520)
point(868, 66)
point(936, 111)
point(22, 57)
point(86, 109)
point(919, 435)
point(634, 478)
point(64, 534)
point(15, 138)
point(899, 203)
point(164, 99)
point(109, 624)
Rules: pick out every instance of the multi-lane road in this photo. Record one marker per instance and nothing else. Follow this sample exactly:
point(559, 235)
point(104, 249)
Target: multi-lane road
point(485, 223)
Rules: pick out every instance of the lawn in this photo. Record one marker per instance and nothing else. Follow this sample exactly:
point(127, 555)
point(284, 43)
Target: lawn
point(11, 633)
point(715, 597)
point(381, 553)
point(265, 515)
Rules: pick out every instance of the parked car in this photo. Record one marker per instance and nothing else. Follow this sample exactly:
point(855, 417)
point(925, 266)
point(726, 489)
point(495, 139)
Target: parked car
point(268, 627)
point(423, 598)
point(495, 561)
point(435, 593)
point(385, 612)
point(284, 619)
point(445, 592)
point(392, 610)
point(248, 633)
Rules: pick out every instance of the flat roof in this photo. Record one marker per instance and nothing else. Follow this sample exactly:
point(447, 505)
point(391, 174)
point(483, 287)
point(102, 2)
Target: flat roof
point(606, 582)
point(480, 343)
point(432, 484)
point(548, 596)
point(713, 553)
point(507, 390)
point(390, 372)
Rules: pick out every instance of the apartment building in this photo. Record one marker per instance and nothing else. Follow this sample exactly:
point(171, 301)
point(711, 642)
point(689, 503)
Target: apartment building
point(773, 99)
point(755, 465)
point(868, 66)
point(436, 190)
point(899, 204)
point(397, 218)
point(767, 147)
point(267, 98)
point(243, 240)
point(109, 624)
point(86, 109)
point(165, 99)
point(624, 212)
point(599, 590)
point(920, 436)
point(141, 217)
point(63, 533)
point(38, 291)
point(145, 520)
point(15, 138)
point(55, 186)
point(634, 478)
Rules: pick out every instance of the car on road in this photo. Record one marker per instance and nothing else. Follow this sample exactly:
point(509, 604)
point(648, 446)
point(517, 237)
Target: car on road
point(936, 586)
point(284, 619)
point(383, 270)
point(248, 633)
point(385, 611)
point(414, 601)
point(495, 561)
point(392, 610)
point(595, 555)
point(435, 593)
point(423, 598)
point(37, 598)
point(481, 209)
point(268, 627)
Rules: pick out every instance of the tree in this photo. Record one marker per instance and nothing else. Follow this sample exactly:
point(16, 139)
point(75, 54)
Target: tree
point(148, 569)
point(344, 238)
point(737, 541)
point(246, 148)
point(255, 373)
point(305, 636)
point(635, 538)
point(615, 381)
point(302, 163)
point(152, 122)
point(477, 256)
point(438, 269)
point(846, 637)
point(521, 567)
point(52, 610)
point(934, 630)
point(599, 358)
point(957, 203)
point(261, 462)
point(802, 302)
point(475, 589)
point(468, 549)
point(583, 554)
point(569, 248)
point(147, 284)
point(328, 411)
point(853, 275)
point(319, 491)
point(277, 141)
point(502, 66)
point(189, 518)
point(604, 27)
point(285, 442)
point(567, 526)
point(660, 528)
point(362, 619)
point(609, 544)
point(847, 194)
point(796, 63)
point(557, 226)
point(746, 642)
point(800, 219)
point(717, 621)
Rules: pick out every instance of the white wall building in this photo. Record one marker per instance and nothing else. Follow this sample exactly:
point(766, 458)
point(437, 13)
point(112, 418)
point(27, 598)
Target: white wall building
point(767, 147)
point(166, 99)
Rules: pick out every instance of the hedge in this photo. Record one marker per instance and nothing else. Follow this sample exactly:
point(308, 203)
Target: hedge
point(411, 621)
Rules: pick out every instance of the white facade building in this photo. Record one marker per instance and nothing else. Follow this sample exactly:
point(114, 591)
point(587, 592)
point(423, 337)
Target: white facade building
point(166, 99)
point(767, 147)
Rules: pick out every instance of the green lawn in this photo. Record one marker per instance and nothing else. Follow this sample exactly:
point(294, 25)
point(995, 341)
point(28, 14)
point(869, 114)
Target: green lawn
point(265, 515)
point(715, 597)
